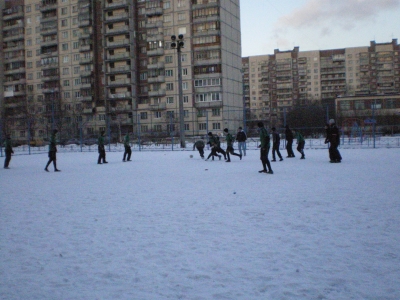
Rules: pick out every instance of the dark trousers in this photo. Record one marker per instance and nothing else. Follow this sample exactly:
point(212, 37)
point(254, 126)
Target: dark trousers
point(7, 159)
point(264, 159)
point(220, 150)
point(275, 148)
point(213, 153)
point(230, 150)
point(300, 148)
point(289, 148)
point(52, 158)
point(128, 152)
point(334, 154)
point(201, 151)
point(102, 156)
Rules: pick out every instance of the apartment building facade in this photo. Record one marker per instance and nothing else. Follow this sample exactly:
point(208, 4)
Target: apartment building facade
point(83, 66)
point(274, 84)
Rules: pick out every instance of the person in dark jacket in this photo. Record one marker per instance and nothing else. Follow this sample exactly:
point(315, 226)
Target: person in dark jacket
point(264, 149)
point(52, 152)
point(276, 140)
point(127, 148)
point(229, 145)
point(213, 141)
point(101, 149)
point(241, 138)
point(289, 141)
point(8, 150)
point(300, 143)
point(199, 145)
point(333, 137)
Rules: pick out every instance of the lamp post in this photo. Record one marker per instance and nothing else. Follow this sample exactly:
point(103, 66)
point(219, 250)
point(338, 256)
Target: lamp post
point(178, 44)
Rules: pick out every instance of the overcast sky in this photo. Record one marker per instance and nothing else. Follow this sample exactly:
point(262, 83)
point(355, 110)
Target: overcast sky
point(316, 24)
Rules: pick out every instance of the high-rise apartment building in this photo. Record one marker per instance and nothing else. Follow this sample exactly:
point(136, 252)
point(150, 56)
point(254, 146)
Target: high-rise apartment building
point(84, 66)
point(274, 84)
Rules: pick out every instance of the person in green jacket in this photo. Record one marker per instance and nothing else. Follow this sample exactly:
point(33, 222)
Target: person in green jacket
point(101, 149)
point(213, 141)
point(128, 149)
point(300, 143)
point(264, 146)
point(8, 150)
point(229, 145)
point(52, 152)
point(199, 145)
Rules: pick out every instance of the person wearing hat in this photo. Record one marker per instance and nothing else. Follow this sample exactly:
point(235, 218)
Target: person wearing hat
point(333, 137)
point(241, 137)
point(229, 145)
point(127, 147)
point(289, 141)
point(52, 152)
point(8, 150)
point(213, 141)
point(276, 140)
point(101, 149)
point(264, 149)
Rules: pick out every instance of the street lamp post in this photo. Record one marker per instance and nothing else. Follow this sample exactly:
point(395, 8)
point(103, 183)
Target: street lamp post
point(178, 44)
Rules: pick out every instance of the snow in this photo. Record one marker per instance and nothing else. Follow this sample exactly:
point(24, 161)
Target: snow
point(167, 226)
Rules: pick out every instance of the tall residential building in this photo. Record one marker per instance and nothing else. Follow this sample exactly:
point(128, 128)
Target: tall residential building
point(274, 84)
point(83, 66)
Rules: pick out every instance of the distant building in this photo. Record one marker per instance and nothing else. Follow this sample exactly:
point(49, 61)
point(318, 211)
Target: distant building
point(84, 66)
point(275, 83)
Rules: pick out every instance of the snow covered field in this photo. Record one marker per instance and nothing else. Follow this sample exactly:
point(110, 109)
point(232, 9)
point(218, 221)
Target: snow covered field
point(167, 226)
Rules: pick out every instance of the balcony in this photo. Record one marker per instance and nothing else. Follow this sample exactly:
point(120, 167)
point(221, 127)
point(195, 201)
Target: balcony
point(86, 98)
point(50, 90)
point(119, 43)
point(156, 52)
point(47, 78)
point(125, 81)
point(14, 71)
point(14, 37)
point(159, 106)
point(121, 29)
point(158, 65)
point(211, 104)
point(15, 15)
point(49, 43)
point(85, 23)
point(87, 111)
point(158, 24)
point(157, 93)
point(48, 30)
point(120, 95)
point(121, 69)
point(48, 6)
point(85, 86)
point(118, 56)
point(85, 48)
point(119, 17)
point(85, 60)
point(116, 3)
point(155, 37)
point(154, 11)
point(17, 25)
point(86, 73)
point(159, 79)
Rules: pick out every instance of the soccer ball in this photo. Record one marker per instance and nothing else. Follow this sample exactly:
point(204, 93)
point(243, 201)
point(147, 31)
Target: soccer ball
point(191, 156)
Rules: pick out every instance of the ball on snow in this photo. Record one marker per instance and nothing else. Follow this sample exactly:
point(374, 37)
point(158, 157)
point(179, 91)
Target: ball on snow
point(191, 156)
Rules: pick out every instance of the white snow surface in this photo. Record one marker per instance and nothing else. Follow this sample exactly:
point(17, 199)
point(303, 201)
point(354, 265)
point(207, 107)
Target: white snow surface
point(167, 226)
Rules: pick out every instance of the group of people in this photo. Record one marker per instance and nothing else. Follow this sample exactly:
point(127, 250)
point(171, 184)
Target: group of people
point(215, 145)
point(332, 137)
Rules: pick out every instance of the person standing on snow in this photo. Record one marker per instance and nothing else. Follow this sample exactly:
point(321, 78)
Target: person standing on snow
point(101, 149)
point(264, 149)
point(289, 141)
point(333, 137)
point(300, 143)
point(8, 150)
point(276, 140)
point(127, 147)
point(241, 138)
point(52, 152)
point(229, 145)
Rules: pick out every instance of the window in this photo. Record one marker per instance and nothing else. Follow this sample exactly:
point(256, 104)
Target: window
point(77, 81)
point(157, 128)
point(64, 46)
point(76, 57)
point(181, 3)
point(169, 73)
point(202, 126)
point(67, 95)
point(29, 53)
point(170, 114)
point(184, 85)
point(143, 115)
point(64, 34)
point(168, 59)
point(75, 45)
point(166, 4)
point(66, 59)
point(64, 10)
point(66, 83)
point(167, 18)
point(64, 23)
point(28, 8)
point(186, 126)
point(65, 71)
point(144, 128)
point(170, 100)
point(170, 86)
point(76, 70)
point(216, 112)
point(184, 72)
point(216, 126)
point(185, 99)
point(157, 115)
point(344, 105)
point(181, 16)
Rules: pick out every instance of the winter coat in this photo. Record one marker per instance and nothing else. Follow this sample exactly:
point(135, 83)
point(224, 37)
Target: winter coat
point(8, 146)
point(288, 134)
point(241, 136)
point(198, 144)
point(126, 141)
point(333, 135)
point(276, 138)
point(53, 143)
point(229, 140)
point(299, 137)
point(264, 138)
